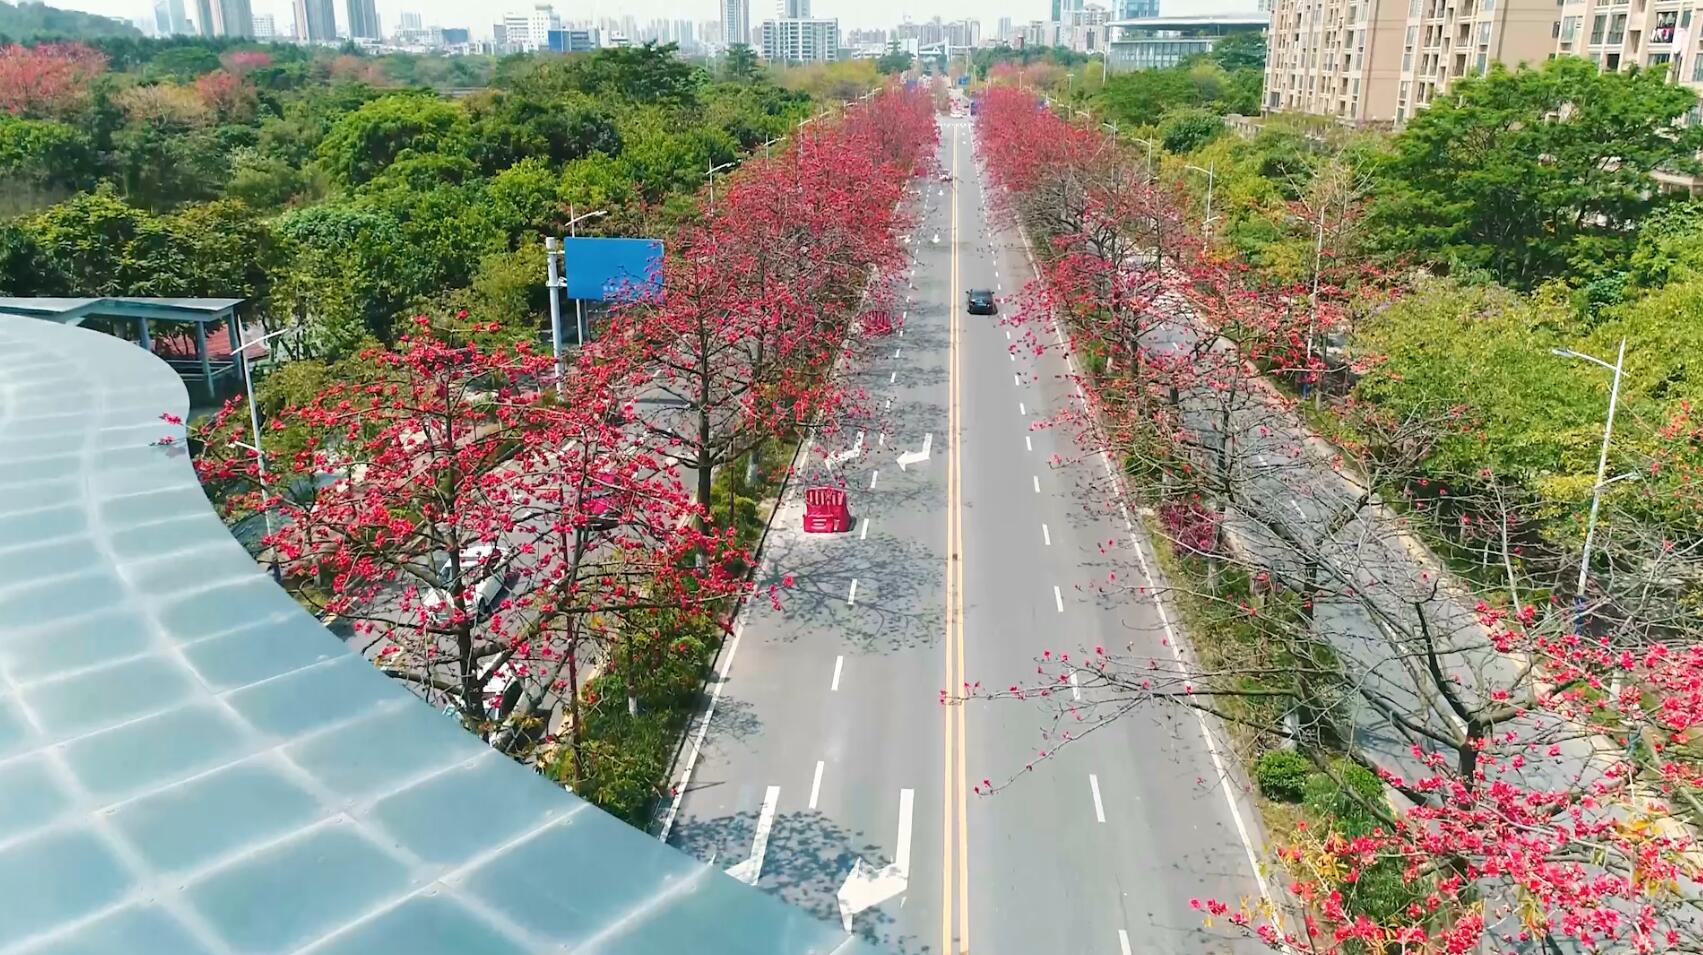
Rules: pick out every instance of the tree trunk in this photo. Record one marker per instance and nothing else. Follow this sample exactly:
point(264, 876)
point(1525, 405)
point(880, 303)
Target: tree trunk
point(576, 726)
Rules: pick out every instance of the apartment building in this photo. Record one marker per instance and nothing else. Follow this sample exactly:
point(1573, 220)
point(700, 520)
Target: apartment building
point(799, 40)
point(1642, 33)
point(1378, 61)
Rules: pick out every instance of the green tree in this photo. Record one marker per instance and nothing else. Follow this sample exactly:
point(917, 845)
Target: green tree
point(894, 62)
point(24, 269)
point(85, 242)
point(509, 127)
point(43, 160)
point(739, 64)
point(598, 182)
point(1186, 129)
point(362, 143)
point(348, 272)
point(523, 198)
point(1532, 173)
point(1240, 51)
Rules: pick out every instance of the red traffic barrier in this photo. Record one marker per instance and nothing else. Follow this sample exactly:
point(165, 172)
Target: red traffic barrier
point(826, 511)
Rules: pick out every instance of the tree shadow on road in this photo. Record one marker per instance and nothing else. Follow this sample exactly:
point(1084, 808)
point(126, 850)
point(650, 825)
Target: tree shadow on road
point(806, 862)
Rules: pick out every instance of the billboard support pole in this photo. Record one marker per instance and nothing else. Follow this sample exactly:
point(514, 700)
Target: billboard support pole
point(555, 309)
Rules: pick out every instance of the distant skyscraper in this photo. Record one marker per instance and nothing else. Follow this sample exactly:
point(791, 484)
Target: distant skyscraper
point(363, 20)
point(736, 22)
point(316, 22)
point(792, 9)
point(1005, 29)
point(169, 18)
point(1137, 9)
point(224, 18)
point(263, 27)
point(411, 21)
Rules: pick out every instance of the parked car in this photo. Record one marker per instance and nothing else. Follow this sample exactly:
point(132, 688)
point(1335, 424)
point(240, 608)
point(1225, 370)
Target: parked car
point(478, 562)
point(981, 302)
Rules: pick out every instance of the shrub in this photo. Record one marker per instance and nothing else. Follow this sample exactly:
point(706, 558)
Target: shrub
point(1282, 775)
point(1345, 805)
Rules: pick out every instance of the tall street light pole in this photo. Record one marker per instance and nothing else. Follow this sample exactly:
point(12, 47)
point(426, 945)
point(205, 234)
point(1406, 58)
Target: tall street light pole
point(254, 428)
point(713, 170)
point(1206, 223)
point(1602, 456)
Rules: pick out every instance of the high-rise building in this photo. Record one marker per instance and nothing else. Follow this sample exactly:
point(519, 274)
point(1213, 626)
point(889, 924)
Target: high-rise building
point(1140, 9)
point(264, 28)
point(1004, 29)
point(792, 9)
point(410, 21)
point(457, 36)
point(1380, 61)
point(529, 31)
point(316, 21)
point(962, 34)
point(735, 22)
point(573, 40)
point(363, 20)
point(170, 18)
point(801, 40)
point(230, 18)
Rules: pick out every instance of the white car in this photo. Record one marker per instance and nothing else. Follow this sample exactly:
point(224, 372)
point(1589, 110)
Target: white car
point(492, 581)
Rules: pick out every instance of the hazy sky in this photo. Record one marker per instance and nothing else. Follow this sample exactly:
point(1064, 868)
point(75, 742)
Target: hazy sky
point(851, 13)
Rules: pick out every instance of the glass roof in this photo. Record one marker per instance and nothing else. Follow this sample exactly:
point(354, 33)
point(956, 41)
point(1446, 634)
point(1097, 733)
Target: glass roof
point(190, 763)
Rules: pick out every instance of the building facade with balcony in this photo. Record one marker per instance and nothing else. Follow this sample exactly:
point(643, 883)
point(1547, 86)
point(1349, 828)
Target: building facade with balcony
point(1377, 62)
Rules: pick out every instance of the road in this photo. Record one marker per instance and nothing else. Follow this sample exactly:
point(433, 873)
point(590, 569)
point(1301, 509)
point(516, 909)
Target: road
point(829, 751)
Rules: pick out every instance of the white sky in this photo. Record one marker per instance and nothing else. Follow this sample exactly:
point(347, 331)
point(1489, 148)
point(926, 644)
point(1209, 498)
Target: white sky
point(852, 14)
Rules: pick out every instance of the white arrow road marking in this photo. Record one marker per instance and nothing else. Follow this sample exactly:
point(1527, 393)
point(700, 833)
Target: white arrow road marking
point(849, 453)
point(916, 457)
point(748, 871)
point(867, 886)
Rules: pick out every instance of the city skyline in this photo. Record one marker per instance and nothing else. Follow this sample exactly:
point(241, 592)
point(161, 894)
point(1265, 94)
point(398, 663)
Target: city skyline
point(479, 18)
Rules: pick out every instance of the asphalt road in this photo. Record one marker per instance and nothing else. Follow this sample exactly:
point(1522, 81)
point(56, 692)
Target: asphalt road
point(829, 751)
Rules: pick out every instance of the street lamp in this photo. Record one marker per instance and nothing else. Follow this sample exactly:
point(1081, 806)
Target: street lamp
point(1206, 223)
point(1114, 129)
point(558, 280)
point(713, 170)
point(254, 426)
point(1602, 456)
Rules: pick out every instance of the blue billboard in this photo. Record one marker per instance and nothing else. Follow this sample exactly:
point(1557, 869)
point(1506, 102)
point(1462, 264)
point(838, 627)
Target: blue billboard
point(601, 269)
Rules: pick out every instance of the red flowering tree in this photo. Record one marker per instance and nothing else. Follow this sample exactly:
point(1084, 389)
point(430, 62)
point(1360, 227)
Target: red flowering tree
point(47, 79)
point(758, 299)
point(488, 540)
point(1493, 774)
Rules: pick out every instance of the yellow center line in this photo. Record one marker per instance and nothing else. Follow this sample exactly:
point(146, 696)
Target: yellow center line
point(955, 826)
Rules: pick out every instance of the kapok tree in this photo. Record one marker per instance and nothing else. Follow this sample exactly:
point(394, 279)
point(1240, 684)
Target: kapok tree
point(479, 531)
point(738, 346)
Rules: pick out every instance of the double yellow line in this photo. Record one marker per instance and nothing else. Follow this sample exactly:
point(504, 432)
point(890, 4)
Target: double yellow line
point(955, 867)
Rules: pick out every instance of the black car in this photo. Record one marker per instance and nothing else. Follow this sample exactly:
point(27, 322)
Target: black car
point(981, 302)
